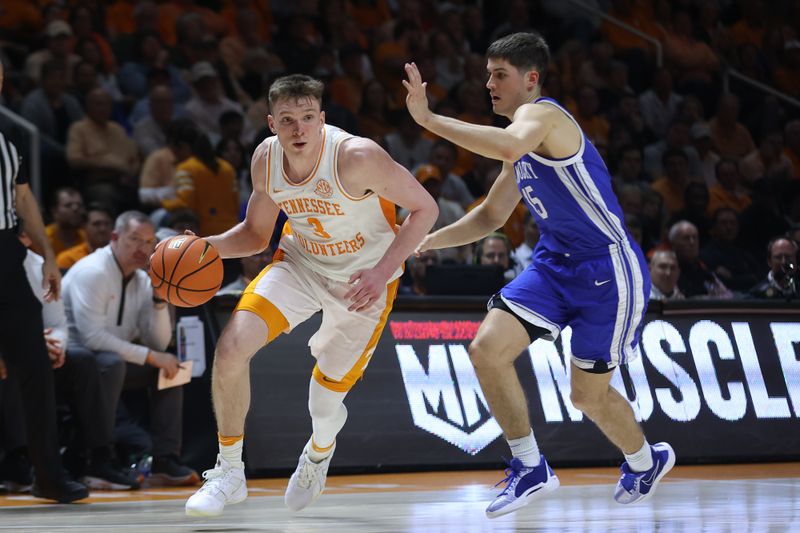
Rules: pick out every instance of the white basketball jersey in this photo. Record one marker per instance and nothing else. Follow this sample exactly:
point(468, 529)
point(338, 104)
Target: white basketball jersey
point(330, 232)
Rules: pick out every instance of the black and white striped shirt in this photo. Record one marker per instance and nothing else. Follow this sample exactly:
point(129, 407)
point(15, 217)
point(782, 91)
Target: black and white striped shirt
point(9, 177)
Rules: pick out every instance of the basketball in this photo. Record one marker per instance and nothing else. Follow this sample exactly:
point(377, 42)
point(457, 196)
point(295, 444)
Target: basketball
point(185, 270)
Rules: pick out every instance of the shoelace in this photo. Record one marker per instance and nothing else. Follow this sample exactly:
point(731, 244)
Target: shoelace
point(308, 474)
point(213, 476)
point(512, 473)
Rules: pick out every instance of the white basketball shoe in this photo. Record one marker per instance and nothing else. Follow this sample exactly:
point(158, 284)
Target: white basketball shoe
point(225, 484)
point(308, 481)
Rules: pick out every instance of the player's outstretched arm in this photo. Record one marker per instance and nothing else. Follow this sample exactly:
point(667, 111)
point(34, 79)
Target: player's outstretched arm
point(252, 234)
point(530, 126)
point(503, 197)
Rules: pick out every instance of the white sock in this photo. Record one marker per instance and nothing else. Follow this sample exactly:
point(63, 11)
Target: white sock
point(328, 416)
point(642, 460)
point(526, 450)
point(233, 453)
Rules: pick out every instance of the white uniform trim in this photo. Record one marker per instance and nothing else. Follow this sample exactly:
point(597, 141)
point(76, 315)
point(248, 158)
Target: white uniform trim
point(534, 318)
point(555, 163)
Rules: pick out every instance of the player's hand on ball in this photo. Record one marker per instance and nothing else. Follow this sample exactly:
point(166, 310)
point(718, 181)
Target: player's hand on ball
point(367, 286)
point(416, 100)
point(166, 361)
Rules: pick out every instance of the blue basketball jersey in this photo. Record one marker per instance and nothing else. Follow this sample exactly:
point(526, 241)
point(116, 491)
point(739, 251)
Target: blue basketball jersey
point(571, 199)
point(587, 273)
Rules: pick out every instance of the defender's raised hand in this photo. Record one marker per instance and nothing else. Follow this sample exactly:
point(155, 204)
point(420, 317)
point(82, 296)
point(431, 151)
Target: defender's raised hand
point(416, 100)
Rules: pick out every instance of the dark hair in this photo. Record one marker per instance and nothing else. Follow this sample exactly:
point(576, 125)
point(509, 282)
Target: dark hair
point(725, 161)
point(102, 208)
point(443, 143)
point(295, 86)
point(673, 152)
point(52, 67)
point(495, 235)
point(715, 216)
point(56, 195)
point(524, 50)
point(181, 131)
point(229, 117)
point(179, 215)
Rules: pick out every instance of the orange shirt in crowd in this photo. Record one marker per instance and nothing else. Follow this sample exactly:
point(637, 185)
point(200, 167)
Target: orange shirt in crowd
point(214, 198)
point(370, 16)
point(262, 11)
point(720, 197)
point(744, 33)
point(22, 16)
point(671, 192)
point(120, 19)
point(70, 256)
point(56, 242)
point(732, 143)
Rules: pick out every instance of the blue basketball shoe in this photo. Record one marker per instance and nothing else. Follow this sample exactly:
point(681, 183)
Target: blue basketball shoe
point(524, 484)
point(634, 487)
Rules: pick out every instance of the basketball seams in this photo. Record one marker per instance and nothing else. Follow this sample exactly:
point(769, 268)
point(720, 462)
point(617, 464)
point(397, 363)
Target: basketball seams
point(167, 282)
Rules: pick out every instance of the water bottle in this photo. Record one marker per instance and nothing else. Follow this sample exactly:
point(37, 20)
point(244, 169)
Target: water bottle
point(141, 469)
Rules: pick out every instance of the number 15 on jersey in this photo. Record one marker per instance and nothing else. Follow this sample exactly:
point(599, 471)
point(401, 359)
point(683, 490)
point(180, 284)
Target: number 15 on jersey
point(534, 202)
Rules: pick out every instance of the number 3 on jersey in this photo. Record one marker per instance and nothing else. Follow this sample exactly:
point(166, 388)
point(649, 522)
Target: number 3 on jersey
point(534, 202)
point(318, 229)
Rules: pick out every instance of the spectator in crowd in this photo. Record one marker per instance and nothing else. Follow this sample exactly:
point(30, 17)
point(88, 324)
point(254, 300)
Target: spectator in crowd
point(707, 157)
point(730, 137)
point(634, 226)
point(232, 151)
point(407, 146)
point(727, 192)
point(496, 250)
point(695, 278)
point(734, 265)
point(207, 185)
point(232, 126)
point(245, 36)
point(149, 54)
point(157, 182)
point(791, 134)
point(373, 119)
point(78, 383)
point(660, 103)
point(102, 153)
point(677, 139)
point(251, 267)
point(67, 211)
point(664, 274)
point(84, 80)
point(150, 133)
point(762, 217)
point(588, 115)
point(59, 36)
point(692, 58)
point(50, 108)
point(768, 161)
point(630, 199)
point(629, 169)
point(417, 268)
point(177, 223)
point(208, 104)
point(672, 185)
point(431, 178)
point(104, 324)
point(89, 52)
point(347, 90)
point(652, 219)
point(695, 202)
point(787, 73)
point(444, 156)
point(99, 221)
point(782, 279)
point(524, 252)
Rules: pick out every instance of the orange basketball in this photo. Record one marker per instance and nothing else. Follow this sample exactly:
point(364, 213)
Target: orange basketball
point(186, 270)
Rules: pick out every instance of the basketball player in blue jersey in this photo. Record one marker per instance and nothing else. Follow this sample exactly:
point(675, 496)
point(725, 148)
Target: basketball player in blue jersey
point(586, 273)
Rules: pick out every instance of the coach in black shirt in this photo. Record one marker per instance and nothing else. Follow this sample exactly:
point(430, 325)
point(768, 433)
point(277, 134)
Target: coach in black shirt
point(22, 341)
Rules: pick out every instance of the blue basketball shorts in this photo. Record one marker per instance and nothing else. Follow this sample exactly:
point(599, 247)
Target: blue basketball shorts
point(602, 296)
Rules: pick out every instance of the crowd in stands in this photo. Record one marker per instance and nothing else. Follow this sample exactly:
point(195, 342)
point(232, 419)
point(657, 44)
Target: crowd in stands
point(157, 106)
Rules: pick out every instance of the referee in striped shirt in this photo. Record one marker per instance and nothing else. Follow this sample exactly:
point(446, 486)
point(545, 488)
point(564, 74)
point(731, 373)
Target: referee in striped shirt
point(22, 343)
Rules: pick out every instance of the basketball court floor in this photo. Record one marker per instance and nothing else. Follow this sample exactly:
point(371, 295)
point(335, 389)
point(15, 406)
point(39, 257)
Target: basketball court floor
point(729, 498)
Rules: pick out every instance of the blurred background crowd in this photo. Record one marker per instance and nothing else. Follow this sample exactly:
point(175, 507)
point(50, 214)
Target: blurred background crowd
point(157, 106)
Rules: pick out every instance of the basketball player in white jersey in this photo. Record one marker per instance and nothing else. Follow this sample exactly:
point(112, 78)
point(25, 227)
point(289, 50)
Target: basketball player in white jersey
point(587, 272)
point(341, 253)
